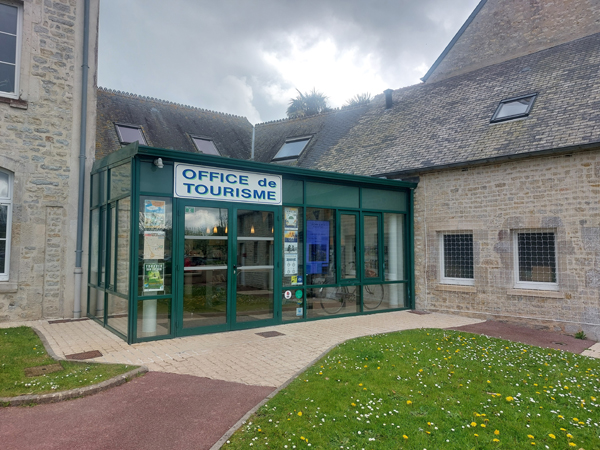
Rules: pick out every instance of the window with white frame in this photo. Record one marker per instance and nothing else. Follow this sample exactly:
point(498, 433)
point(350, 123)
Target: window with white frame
point(456, 258)
point(5, 222)
point(535, 259)
point(10, 48)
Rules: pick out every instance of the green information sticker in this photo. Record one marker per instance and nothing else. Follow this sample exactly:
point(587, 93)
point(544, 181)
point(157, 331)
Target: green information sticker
point(299, 294)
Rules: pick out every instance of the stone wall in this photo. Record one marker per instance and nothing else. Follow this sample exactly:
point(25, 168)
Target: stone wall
point(39, 144)
point(558, 193)
point(506, 29)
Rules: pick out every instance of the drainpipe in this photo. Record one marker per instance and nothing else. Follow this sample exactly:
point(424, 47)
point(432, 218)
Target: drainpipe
point(82, 145)
point(252, 150)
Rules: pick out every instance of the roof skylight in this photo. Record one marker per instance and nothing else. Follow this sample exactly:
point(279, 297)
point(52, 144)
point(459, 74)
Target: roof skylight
point(513, 108)
point(130, 133)
point(206, 146)
point(291, 149)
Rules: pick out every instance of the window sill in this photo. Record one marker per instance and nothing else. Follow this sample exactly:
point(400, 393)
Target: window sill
point(535, 293)
point(14, 102)
point(7, 287)
point(456, 288)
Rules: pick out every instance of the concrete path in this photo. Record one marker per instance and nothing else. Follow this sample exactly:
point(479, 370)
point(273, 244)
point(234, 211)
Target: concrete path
point(237, 356)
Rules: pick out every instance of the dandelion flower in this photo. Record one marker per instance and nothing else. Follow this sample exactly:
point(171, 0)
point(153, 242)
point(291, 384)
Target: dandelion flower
point(496, 440)
point(300, 413)
point(509, 399)
point(473, 424)
point(569, 435)
point(405, 436)
point(497, 432)
point(530, 436)
point(572, 444)
point(552, 436)
point(408, 402)
point(475, 434)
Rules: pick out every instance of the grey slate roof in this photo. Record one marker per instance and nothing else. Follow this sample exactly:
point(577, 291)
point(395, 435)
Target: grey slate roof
point(448, 122)
point(168, 125)
point(326, 130)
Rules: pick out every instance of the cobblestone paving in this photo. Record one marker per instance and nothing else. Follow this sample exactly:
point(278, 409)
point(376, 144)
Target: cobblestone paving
point(239, 356)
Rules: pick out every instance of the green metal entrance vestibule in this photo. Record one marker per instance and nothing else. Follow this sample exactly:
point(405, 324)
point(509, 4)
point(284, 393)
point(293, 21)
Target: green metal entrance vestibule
point(184, 243)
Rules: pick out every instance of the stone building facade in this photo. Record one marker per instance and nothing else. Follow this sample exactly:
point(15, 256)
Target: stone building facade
point(40, 110)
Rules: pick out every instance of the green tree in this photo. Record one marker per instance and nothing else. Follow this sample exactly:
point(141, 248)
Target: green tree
point(359, 99)
point(307, 104)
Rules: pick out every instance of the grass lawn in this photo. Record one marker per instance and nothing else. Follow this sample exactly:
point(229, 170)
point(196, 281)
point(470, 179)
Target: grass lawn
point(433, 389)
point(21, 348)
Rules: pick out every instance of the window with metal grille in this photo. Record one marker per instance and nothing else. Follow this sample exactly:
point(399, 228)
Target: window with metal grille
point(456, 258)
point(535, 259)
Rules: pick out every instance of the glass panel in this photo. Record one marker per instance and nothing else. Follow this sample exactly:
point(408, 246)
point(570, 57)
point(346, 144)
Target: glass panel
point(293, 246)
point(4, 191)
point(384, 296)
point(130, 134)
point(458, 255)
point(320, 246)
point(371, 246)
point(323, 302)
point(103, 186)
point(348, 245)
point(3, 220)
point(8, 48)
point(103, 227)
point(375, 199)
point(113, 242)
point(514, 108)
point(96, 303)
point(7, 77)
point(94, 248)
point(291, 149)
point(337, 195)
point(123, 237)
point(153, 179)
point(95, 190)
point(393, 246)
point(537, 257)
point(155, 246)
point(293, 191)
point(255, 254)
point(206, 146)
point(117, 313)
point(120, 180)
point(292, 304)
point(205, 267)
point(154, 318)
point(8, 19)
point(3, 256)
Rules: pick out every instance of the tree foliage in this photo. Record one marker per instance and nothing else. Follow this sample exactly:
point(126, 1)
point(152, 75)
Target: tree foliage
point(359, 99)
point(307, 104)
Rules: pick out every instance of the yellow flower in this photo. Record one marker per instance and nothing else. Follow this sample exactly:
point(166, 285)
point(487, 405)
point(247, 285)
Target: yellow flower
point(408, 402)
point(475, 434)
point(353, 404)
point(405, 436)
point(560, 417)
point(259, 430)
point(575, 419)
point(569, 435)
point(300, 413)
point(552, 436)
point(360, 384)
point(497, 432)
point(509, 399)
point(572, 444)
point(473, 424)
point(428, 432)
point(530, 436)
point(302, 437)
point(496, 440)
point(533, 443)
point(366, 366)
point(483, 425)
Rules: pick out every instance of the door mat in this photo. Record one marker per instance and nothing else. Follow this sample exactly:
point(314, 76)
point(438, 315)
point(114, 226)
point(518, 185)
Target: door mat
point(42, 370)
point(267, 334)
point(85, 355)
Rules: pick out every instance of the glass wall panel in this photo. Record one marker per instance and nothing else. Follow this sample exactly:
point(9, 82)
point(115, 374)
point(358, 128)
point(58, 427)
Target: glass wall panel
point(293, 191)
point(375, 199)
point(328, 301)
point(103, 228)
point(113, 244)
point(205, 267)
point(155, 246)
point(123, 238)
point(393, 246)
point(348, 243)
point(153, 179)
point(336, 195)
point(371, 246)
point(292, 308)
point(293, 246)
point(153, 318)
point(255, 265)
point(384, 296)
point(96, 303)
point(95, 190)
point(320, 246)
point(117, 313)
point(120, 180)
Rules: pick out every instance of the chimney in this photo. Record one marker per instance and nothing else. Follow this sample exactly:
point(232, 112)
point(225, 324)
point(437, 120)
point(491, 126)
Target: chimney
point(388, 98)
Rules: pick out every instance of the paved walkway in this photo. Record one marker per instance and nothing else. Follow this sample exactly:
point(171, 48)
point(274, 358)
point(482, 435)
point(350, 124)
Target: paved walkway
point(236, 356)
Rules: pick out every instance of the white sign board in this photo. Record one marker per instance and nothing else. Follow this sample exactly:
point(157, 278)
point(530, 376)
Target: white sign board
point(210, 183)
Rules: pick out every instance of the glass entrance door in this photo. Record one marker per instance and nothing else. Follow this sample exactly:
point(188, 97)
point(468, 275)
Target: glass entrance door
point(205, 268)
point(254, 266)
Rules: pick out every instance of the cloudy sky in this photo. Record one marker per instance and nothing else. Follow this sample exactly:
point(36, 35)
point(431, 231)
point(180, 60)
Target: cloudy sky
point(248, 57)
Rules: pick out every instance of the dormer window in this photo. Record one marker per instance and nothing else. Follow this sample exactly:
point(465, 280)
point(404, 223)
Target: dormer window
point(292, 148)
point(206, 146)
point(514, 108)
point(130, 133)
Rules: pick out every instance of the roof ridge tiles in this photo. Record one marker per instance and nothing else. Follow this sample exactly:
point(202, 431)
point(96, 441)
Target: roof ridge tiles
point(168, 102)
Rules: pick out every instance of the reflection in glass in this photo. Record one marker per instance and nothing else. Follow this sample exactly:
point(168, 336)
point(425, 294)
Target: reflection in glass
point(323, 302)
point(384, 296)
point(320, 246)
point(348, 245)
point(393, 244)
point(113, 240)
point(117, 313)
point(154, 318)
point(371, 250)
point(123, 237)
point(4, 185)
point(120, 180)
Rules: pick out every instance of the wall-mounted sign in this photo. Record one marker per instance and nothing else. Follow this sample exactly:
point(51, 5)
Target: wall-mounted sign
point(210, 183)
